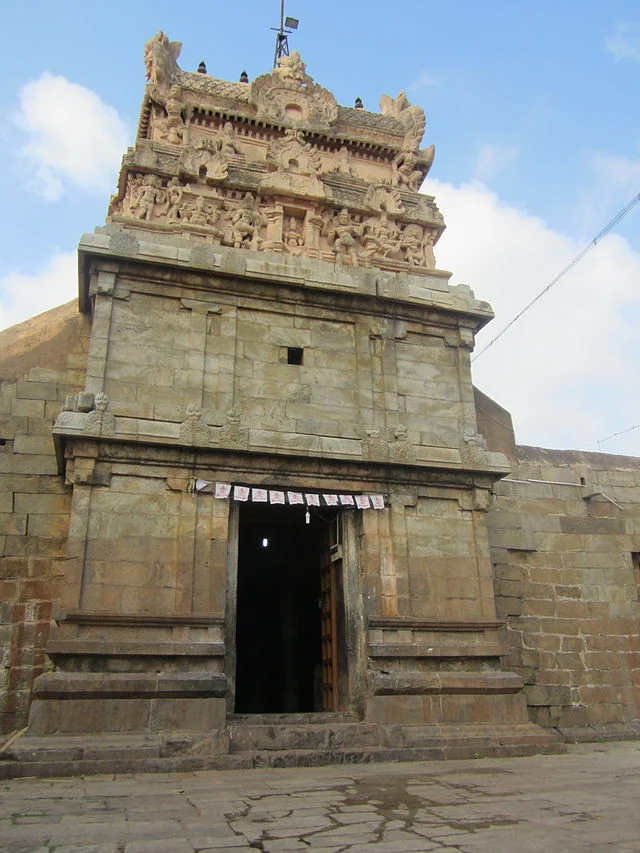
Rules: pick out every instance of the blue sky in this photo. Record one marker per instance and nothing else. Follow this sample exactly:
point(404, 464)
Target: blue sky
point(532, 107)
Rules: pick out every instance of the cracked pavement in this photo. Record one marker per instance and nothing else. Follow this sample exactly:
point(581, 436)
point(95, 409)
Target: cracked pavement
point(586, 800)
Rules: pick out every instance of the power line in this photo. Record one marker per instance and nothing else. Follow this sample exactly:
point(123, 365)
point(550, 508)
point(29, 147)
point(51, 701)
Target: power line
point(622, 432)
point(606, 230)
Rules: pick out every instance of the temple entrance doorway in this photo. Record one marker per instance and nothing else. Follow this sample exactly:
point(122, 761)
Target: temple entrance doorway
point(289, 609)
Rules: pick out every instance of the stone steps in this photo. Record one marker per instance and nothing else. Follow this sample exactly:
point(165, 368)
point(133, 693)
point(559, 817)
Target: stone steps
point(270, 741)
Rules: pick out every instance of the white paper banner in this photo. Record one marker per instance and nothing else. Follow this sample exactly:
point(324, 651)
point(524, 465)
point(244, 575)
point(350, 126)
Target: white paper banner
point(223, 491)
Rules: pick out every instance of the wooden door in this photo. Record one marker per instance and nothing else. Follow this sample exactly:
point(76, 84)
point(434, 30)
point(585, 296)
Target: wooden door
point(330, 568)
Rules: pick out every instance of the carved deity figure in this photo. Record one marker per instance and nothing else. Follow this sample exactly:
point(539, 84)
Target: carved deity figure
point(171, 128)
point(148, 195)
point(226, 142)
point(246, 222)
point(405, 173)
point(345, 237)
point(382, 236)
point(343, 166)
point(412, 244)
point(174, 199)
point(292, 238)
point(203, 214)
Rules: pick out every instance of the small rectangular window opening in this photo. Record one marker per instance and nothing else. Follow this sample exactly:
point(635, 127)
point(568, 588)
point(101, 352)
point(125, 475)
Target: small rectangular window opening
point(635, 557)
point(294, 355)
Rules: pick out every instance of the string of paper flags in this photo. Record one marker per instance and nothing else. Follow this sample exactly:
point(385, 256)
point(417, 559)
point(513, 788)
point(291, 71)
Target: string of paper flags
point(228, 491)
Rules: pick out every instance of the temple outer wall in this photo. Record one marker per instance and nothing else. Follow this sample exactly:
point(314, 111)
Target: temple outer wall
point(43, 361)
point(565, 535)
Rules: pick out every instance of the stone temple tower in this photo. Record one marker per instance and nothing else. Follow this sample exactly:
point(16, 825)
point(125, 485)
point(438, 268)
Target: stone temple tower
point(278, 522)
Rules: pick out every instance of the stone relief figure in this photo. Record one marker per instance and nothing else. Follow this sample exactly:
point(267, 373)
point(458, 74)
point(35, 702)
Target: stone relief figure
point(405, 173)
point(202, 213)
point(430, 238)
point(343, 166)
point(246, 222)
point(175, 193)
point(171, 128)
point(292, 238)
point(161, 60)
point(344, 237)
point(204, 162)
point(145, 196)
point(227, 143)
point(412, 244)
point(381, 236)
point(100, 420)
point(192, 430)
point(293, 154)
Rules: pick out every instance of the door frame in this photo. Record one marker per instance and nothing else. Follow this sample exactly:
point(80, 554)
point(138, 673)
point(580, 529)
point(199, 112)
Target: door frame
point(354, 640)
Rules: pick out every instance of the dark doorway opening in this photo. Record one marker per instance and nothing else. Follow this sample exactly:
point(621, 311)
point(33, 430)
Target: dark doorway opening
point(280, 647)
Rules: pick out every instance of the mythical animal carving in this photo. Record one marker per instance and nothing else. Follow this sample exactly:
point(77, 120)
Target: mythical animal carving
point(192, 430)
point(161, 60)
point(100, 420)
point(232, 434)
point(291, 67)
point(411, 117)
point(289, 95)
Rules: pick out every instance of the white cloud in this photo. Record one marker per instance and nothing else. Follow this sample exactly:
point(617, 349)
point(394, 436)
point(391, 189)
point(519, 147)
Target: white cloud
point(625, 43)
point(72, 135)
point(567, 370)
point(424, 80)
point(492, 159)
point(23, 296)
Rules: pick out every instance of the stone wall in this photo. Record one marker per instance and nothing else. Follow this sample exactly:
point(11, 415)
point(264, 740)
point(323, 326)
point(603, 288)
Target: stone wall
point(43, 360)
point(565, 536)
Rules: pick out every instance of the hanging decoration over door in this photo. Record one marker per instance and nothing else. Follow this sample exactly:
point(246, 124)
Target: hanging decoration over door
point(229, 491)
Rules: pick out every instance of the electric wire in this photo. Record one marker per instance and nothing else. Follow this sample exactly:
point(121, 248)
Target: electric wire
point(606, 230)
point(613, 435)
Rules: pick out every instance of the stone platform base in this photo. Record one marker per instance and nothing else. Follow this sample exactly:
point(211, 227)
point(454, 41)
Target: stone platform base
point(297, 740)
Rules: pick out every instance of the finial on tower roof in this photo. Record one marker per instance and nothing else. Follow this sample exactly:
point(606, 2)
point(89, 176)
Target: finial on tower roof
point(202, 68)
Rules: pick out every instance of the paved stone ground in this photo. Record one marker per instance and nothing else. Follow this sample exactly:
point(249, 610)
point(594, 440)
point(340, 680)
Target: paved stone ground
point(587, 800)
